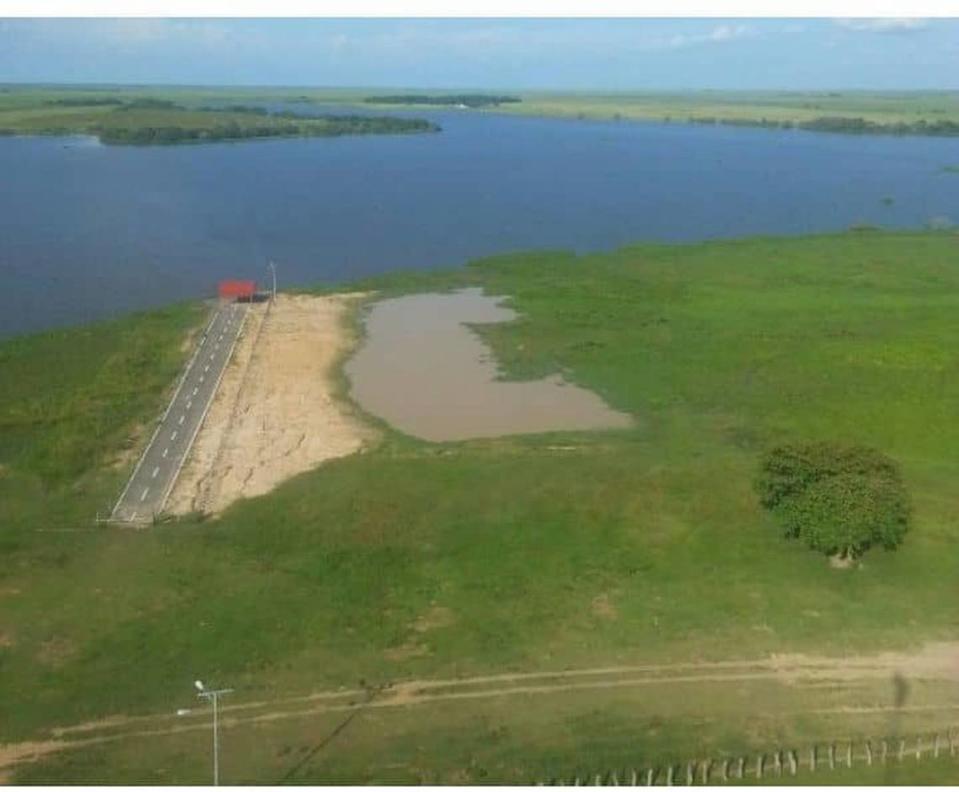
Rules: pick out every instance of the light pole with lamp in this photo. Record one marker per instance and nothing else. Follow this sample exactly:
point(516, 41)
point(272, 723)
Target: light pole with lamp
point(214, 697)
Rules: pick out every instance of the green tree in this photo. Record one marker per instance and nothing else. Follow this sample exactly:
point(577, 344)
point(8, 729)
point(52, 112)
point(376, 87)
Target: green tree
point(840, 500)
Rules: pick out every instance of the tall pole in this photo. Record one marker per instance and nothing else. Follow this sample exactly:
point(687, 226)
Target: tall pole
point(213, 696)
point(216, 741)
point(273, 270)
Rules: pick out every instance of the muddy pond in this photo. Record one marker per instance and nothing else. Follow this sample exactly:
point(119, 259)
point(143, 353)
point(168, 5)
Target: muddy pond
point(425, 372)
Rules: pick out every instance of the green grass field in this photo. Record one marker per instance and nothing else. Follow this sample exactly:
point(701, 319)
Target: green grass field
point(28, 109)
point(127, 115)
point(539, 553)
point(881, 107)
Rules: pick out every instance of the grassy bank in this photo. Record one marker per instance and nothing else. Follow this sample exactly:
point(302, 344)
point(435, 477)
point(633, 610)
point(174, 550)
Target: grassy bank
point(578, 550)
point(28, 109)
point(856, 112)
point(118, 117)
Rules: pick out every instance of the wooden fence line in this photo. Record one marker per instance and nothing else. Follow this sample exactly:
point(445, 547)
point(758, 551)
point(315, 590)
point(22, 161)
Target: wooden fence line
point(779, 762)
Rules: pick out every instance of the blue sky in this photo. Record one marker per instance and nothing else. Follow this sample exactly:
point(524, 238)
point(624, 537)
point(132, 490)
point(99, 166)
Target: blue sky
point(583, 54)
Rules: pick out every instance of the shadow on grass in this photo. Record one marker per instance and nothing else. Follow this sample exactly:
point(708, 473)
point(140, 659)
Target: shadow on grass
point(290, 774)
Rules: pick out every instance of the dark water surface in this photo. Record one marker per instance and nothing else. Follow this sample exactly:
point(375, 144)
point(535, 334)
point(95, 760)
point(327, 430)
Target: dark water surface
point(88, 231)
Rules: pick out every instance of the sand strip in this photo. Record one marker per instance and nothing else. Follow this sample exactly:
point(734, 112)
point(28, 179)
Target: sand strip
point(276, 413)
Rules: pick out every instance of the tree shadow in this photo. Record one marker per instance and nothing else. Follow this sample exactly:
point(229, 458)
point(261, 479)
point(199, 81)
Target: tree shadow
point(371, 693)
point(900, 693)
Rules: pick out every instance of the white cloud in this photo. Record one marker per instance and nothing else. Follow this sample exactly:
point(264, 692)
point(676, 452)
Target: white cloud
point(883, 25)
point(720, 33)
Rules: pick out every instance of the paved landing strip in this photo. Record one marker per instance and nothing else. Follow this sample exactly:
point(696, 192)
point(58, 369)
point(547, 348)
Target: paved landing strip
point(153, 478)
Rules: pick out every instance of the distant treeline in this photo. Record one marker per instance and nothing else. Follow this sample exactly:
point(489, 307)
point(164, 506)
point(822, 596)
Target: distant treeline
point(322, 126)
point(84, 102)
point(841, 124)
point(151, 104)
point(260, 111)
point(130, 104)
point(469, 100)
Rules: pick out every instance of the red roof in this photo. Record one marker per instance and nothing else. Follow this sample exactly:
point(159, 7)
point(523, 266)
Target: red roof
point(237, 288)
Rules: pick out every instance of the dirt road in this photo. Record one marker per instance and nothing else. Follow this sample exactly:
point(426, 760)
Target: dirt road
point(933, 664)
point(277, 413)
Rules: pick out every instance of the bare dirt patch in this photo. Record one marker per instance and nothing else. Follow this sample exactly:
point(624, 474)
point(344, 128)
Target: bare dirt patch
point(603, 608)
point(55, 652)
point(277, 412)
point(435, 618)
point(407, 651)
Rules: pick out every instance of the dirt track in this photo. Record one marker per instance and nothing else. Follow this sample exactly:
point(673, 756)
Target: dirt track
point(275, 414)
point(933, 663)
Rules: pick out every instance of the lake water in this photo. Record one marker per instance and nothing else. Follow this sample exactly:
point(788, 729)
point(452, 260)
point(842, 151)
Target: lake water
point(88, 231)
point(421, 369)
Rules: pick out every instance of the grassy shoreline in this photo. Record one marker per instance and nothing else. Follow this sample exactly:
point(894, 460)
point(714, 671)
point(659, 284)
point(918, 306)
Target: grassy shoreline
point(417, 560)
point(123, 119)
point(927, 113)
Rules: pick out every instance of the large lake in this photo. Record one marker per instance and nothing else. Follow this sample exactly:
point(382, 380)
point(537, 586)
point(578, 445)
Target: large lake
point(88, 231)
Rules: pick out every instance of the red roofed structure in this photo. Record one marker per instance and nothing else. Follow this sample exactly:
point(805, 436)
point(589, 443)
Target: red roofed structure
point(237, 289)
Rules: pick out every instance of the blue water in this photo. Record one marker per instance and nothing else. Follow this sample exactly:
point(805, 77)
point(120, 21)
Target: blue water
point(88, 231)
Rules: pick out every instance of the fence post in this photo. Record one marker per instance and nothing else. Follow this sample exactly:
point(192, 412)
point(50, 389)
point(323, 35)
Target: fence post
point(597, 780)
point(832, 756)
point(849, 754)
point(868, 753)
point(634, 778)
point(650, 775)
point(952, 744)
point(935, 746)
point(885, 750)
point(793, 762)
point(704, 770)
point(742, 766)
point(812, 759)
point(669, 774)
point(778, 762)
point(902, 749)
point(760, 762)
point(725, 771)
point(613, 779)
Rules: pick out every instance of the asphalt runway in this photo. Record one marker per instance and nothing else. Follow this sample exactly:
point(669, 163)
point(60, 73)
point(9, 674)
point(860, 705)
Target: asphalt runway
point(153, 478)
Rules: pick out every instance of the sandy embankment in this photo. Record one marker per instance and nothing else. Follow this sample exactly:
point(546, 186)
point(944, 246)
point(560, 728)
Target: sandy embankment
point(275, 414)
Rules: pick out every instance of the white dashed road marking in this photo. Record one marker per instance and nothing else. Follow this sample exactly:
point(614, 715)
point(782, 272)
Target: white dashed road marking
point(181, 419)
point(173, 437)
point(195, 390)
point(189, 404)
point(165, 452)
point(144, 495)
point(155, 471)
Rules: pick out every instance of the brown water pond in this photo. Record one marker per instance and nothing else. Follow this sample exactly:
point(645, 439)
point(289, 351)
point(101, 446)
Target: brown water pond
point(422, 370)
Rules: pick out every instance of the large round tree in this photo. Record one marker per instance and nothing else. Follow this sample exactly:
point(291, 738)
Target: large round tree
point(840, 500)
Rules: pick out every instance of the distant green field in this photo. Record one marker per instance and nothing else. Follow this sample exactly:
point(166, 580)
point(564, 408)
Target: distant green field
point(571, 550)
point(914, 110)
point(28, 109)
point(144, 117)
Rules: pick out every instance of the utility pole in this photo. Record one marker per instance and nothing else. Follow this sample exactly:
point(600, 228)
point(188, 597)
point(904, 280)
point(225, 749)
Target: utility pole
point(214, 697)
point(273, 270)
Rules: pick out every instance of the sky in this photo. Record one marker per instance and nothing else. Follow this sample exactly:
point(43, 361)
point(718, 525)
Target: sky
point(575, 54)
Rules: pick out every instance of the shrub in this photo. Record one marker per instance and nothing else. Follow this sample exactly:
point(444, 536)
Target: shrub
point(840, 500)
